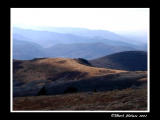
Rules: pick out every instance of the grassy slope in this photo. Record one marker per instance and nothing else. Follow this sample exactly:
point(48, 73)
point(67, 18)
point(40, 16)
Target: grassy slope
point(128, 60)
point(127, 99)
point(52, 68)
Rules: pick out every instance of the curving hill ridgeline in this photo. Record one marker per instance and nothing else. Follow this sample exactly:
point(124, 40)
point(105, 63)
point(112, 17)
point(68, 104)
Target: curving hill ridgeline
point(63, 75)
point(55, 68)
point(128, 60)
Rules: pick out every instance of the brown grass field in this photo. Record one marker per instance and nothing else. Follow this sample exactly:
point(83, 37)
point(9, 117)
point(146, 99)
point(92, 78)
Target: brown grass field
point(43, 69)
point(127, 99)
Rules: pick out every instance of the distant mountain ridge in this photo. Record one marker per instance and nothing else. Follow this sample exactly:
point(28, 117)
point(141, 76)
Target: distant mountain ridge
point(97, 33)
point(55, 36)
point(24, 50)
point(84, 50)
point(69, 42)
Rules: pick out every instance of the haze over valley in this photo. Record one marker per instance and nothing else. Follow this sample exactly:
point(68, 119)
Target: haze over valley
point(70, 43)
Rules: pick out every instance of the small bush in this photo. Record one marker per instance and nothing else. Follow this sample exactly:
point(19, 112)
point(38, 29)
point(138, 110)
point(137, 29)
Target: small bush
point(42, 91)
point(84, 61)
point(71, 90)
point(95, 90)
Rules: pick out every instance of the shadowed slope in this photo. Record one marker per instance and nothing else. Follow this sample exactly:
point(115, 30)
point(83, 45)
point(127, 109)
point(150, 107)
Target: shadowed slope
point(128, 60)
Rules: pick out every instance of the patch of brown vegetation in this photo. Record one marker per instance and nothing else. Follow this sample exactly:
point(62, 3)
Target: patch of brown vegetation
point(127, 99)
point(73, 65)
point(43, 69)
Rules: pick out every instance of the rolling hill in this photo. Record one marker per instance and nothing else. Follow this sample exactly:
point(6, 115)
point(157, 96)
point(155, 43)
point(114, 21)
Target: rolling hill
point(128, 60)
point(59, 75)
point(52, 68)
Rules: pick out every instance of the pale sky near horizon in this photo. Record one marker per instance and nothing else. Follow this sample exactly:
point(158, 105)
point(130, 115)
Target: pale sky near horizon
point(113, 19)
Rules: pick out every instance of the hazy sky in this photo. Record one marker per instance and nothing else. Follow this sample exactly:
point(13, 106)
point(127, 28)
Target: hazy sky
point(113, 19)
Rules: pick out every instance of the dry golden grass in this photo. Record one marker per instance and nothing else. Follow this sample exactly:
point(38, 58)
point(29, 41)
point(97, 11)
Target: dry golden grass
point(127, 99)
point(73, 65)
point(43, 69)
